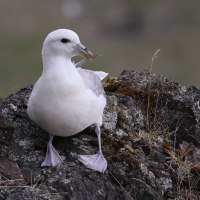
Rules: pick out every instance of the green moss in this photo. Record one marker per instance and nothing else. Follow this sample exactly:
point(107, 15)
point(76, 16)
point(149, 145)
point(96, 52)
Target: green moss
point(111, 84)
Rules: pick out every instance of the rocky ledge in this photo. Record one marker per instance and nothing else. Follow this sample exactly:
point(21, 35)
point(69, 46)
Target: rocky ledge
point(150, 138)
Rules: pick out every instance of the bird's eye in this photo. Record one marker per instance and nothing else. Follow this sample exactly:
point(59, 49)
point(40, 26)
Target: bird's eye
point(64, 40)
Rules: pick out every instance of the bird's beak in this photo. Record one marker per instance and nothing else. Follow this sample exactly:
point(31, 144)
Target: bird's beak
point(82, 51)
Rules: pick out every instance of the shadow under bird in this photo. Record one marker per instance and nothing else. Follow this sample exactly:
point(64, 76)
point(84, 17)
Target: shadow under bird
point(66, 98)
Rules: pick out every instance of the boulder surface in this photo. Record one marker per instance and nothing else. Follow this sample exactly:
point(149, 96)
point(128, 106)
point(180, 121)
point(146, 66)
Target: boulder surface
point(150, 139)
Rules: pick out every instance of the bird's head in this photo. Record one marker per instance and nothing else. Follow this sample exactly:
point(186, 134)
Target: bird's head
point(64, 42)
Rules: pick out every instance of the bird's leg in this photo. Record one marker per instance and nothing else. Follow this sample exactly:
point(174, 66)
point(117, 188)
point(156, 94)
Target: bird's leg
point(96, 161)
point(52, 157)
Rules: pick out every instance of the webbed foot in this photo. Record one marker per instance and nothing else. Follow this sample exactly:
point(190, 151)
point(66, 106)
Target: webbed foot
point(52, 156)
point(96, 161)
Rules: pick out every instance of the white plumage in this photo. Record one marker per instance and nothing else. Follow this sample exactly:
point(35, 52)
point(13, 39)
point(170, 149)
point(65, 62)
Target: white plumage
point(65, 100)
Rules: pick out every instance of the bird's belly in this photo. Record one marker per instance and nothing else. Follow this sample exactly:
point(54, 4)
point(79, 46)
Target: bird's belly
point(69, 116)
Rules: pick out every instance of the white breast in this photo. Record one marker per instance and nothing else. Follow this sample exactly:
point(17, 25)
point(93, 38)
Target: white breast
point(61, 105)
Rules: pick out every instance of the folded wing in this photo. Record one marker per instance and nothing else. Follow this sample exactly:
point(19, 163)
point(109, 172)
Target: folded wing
point(92, 80)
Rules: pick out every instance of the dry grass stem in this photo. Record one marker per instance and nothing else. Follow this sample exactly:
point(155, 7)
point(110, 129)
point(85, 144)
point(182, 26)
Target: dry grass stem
point(154, 56)
point(123, 189)
point(148, 187)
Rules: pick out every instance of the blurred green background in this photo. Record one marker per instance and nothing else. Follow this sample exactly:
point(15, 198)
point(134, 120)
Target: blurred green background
point(126, 34)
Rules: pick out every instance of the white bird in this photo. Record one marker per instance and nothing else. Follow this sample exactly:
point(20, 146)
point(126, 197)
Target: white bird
point(66, 99)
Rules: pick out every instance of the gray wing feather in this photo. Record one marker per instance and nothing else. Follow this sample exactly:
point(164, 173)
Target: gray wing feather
point(92, 81)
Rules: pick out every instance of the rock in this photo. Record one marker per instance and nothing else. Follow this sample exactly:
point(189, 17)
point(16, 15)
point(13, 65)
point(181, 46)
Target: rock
point(10, 170)
point(178, 105)
point(6, 132)
point(150, 132)
point(146, 81)
point(122, 114)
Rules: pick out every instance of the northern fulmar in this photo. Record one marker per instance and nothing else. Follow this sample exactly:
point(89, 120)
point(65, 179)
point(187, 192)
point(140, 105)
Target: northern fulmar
point(66, 98)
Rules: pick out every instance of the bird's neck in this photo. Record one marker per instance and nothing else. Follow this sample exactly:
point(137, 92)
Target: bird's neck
point(52, 64)
point(62, 73)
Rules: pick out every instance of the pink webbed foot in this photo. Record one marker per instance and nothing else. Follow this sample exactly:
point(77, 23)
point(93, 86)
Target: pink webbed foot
point(96, 161)
point(52, 157)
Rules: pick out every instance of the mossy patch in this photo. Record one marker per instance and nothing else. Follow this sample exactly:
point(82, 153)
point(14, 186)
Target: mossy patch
point(111, 84)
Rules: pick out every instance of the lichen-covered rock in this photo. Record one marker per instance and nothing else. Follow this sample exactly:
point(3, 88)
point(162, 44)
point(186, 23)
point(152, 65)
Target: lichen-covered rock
point(146, 81)
point(174, 107)
point(122, 115)
point(25, 145)
point(145, 123)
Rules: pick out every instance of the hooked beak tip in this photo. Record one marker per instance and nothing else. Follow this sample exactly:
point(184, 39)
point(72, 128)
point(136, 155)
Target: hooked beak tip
point(89, 55)
point(82, 51)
